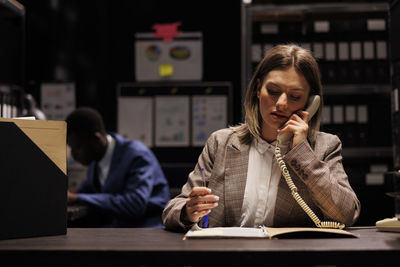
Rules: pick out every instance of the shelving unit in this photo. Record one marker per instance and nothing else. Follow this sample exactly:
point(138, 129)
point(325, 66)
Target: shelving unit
point(303, 15)
point(350, 41)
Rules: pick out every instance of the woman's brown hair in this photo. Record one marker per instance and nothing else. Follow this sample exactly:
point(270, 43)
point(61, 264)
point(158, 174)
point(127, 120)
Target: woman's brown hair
point(280, 57)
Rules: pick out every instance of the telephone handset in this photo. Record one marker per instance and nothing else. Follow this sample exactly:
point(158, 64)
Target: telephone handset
point(312, 107)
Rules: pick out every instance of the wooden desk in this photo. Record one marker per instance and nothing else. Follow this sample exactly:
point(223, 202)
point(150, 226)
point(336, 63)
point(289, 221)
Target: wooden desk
point(118, 247)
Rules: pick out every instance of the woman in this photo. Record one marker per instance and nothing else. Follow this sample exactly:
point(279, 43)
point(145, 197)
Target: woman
point(245, 187)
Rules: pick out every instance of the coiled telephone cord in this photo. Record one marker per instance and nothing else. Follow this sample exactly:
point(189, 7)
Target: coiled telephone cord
point(298, 198)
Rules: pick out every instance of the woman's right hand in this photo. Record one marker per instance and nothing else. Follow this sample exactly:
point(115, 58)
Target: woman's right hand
point(199, 203)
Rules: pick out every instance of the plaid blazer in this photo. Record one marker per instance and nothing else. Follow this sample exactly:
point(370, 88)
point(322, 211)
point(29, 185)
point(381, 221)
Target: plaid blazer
point(317, 172)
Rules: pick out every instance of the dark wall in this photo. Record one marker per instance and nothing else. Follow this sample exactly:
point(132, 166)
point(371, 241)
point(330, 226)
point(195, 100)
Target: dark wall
point(93, 43)
point(11, 47)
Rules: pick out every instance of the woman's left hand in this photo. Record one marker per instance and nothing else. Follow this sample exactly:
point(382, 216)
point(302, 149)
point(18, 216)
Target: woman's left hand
point(298, 125)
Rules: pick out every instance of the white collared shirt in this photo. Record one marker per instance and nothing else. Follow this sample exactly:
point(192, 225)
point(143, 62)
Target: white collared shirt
point(263, 175)
point(105, 163)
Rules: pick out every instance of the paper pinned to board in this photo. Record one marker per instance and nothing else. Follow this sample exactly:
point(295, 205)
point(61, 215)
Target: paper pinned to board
point(209, 113)
point(172, 120)
point(134, 126)
point(49, 136)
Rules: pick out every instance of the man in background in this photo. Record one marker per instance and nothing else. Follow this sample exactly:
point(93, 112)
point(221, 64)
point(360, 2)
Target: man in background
point(124, 186)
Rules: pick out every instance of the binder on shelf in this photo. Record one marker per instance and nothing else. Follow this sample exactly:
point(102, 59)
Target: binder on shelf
point(256, 53)
point(382, 63)
point(33, 183)
point(350, 126)
point(331, 68)
point(318, 52)
point(343, 58)
point(356, 64)
point(362, 120)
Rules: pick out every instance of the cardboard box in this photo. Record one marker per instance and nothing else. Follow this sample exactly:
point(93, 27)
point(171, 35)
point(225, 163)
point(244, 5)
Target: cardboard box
point(33, 179)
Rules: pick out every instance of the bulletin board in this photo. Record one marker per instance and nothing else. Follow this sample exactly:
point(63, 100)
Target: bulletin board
point(180, 59)
point(175, 117)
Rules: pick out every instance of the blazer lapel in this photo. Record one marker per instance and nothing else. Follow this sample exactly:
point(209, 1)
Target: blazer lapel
point(237, 158)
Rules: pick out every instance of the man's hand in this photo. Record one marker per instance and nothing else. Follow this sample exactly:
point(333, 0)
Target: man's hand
point(71, 197)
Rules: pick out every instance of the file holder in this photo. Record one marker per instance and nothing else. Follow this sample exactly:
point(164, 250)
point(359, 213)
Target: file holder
point(33, 180)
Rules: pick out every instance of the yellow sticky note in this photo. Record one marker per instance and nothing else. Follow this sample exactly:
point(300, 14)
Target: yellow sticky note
point(165, 70)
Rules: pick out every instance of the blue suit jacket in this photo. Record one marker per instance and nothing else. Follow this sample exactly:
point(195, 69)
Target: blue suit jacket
point(135, 191)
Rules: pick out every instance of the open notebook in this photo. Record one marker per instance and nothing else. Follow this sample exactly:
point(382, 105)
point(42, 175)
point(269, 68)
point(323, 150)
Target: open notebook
point(266, 232)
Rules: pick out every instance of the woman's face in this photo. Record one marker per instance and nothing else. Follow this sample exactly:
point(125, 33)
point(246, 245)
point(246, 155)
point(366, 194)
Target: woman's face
point(282, 93)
